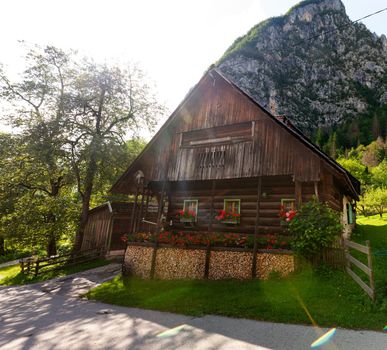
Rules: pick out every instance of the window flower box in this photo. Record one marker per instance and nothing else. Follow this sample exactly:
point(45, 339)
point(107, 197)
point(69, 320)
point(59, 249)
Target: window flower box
point(228, 217)
point(189, 213)
point(231, 212)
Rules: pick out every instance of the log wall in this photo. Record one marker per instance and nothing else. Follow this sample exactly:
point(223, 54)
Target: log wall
point(273, 190)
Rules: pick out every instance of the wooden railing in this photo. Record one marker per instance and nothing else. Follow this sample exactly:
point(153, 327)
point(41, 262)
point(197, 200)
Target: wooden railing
point(33, 266)
point(367, 269)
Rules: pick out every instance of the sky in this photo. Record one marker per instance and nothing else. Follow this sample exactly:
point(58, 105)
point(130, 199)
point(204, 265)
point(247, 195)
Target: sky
point(173, 41)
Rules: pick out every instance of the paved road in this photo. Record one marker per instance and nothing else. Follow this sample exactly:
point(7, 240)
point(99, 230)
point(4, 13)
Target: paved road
point(44, 317)
point(9, 263)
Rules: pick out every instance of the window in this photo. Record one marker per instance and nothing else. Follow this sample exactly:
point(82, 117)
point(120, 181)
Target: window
point(216, 136)
point(232, 211)
point(190, 211)
point(215, 158)
point(288, 204)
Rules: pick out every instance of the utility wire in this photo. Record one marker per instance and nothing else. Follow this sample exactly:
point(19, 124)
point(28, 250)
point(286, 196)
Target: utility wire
point(327, 32)
point(334, 30)
point(338, 29)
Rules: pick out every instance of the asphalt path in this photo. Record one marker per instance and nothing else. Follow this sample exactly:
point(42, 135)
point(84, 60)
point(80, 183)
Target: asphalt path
point(53, 316)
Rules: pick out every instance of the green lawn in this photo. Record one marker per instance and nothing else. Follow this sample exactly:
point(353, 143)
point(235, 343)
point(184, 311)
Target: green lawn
point(331, 298)
point(11, 275)
point(374, 229)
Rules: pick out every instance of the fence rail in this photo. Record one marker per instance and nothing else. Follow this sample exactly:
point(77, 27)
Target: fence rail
point(33, 266)
point(334, 257)
point(367, 269)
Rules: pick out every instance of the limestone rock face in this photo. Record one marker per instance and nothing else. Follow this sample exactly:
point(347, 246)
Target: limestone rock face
point(315, 79)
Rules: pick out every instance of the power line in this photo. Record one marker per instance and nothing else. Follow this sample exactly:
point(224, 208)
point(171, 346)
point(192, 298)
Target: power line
point(335, 30)
point(325, 33)
point(338, 29)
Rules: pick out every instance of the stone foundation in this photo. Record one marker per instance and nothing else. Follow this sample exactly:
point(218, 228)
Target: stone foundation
point(175, 263)
point(179, 263)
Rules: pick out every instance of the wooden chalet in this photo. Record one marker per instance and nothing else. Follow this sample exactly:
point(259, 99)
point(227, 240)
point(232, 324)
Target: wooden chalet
point(221, 150)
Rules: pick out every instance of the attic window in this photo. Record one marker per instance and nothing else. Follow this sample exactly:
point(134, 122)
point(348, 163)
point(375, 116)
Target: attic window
point(219, 135)
point(214, 158)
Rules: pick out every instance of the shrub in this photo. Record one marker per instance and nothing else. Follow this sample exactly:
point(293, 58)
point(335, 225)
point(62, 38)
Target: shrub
point(314, 227)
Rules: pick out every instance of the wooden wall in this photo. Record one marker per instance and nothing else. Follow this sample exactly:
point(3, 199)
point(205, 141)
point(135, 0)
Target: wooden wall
point(97, 229)
point(104, 228)
point(273, 190)
point(215, 104)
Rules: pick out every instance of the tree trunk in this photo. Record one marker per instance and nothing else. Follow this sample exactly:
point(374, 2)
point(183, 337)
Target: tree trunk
point(2, 249)
point(89, 181)
point(51, 247)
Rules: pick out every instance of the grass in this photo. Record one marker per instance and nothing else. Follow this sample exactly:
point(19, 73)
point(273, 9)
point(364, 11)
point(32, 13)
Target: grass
point(374, 229)
point(11, 275)
point(331, 298)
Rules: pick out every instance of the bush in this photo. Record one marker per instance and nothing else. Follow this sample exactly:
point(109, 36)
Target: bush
point(314, 227)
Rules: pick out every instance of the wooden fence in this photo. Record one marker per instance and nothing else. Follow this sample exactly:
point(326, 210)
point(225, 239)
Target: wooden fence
point(334, 257)
point(33, 266)
point(367, 269)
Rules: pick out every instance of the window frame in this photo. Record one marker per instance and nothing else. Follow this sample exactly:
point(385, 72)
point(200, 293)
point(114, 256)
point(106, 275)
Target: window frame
point(292, 200)
point(196, 201)
point(239, 209)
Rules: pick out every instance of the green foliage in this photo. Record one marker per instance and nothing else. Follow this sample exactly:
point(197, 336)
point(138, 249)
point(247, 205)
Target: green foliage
point(71, 115)
point(374, 200)
point(379, 174)
point(362, 129)
point(314, 227)
point(356, 168)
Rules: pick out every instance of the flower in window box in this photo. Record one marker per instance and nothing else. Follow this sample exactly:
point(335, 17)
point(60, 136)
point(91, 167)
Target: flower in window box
point(286, 215)
point(187, 216)
point(228, 217)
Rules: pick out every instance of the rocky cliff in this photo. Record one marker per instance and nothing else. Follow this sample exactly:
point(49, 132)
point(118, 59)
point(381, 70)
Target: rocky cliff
point(313, 64)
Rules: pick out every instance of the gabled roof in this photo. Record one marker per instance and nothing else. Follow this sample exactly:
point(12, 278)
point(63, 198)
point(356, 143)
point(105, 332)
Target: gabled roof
point(282, 121)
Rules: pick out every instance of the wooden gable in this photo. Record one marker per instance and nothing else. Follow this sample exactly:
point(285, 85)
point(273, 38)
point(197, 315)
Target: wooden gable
point(219, 132)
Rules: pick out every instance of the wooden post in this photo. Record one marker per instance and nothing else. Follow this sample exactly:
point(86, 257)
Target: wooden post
point(212, 206)
point(369, 256)
point(316, 190)
point(22, 265)
point(298, 192)
point(208, 250)
point(148, 192)
point(132, 223)
point(139, 218)
point(28, 266)
point(158, 227)
point(36, 268)
point(256, 229)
